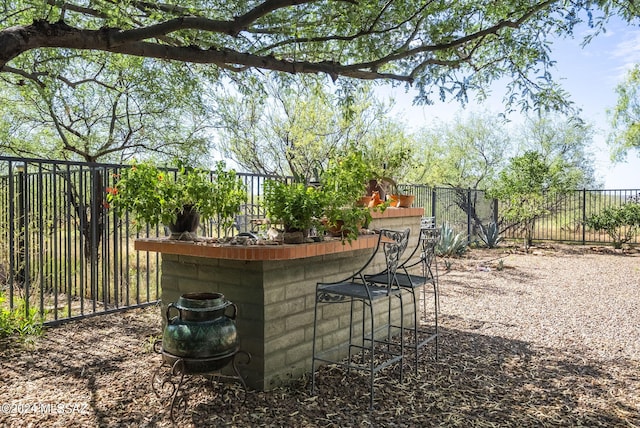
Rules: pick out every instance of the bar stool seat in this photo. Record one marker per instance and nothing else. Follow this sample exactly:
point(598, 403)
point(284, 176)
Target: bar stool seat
point(427, 240)
point(356, 289)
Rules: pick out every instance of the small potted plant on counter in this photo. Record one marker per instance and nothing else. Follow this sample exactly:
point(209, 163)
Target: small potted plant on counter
point(343, 183)
point(296, 206)
point(179, 199)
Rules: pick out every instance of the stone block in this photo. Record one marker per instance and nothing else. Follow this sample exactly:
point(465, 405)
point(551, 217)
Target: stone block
point(293, 274)
point(300, 354)
point(274, 294)
point(283, 341)
point(283, 308)
point(299, 320)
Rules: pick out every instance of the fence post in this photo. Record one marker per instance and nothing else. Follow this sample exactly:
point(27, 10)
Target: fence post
point(584, 215)
point(468, 216)
point(433, 202)
point(21, 196)
point(495, 211)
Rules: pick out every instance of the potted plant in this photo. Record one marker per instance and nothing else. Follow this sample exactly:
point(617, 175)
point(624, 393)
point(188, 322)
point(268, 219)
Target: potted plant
point(343, 183)
point(395, 198)
point(177, 199)
point(296, 206)
point(386, 161)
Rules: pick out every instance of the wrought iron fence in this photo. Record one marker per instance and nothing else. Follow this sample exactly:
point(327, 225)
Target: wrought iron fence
point(63, 252)
point(465, 209)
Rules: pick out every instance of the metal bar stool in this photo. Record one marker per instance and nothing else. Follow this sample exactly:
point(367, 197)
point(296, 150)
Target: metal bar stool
point(357, 289)
point(427, 241)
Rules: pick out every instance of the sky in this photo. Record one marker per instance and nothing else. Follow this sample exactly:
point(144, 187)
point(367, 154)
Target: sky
point(590, 75)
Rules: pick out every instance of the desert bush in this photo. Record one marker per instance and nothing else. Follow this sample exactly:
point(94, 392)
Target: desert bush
point(19, 321)
point(620, 223)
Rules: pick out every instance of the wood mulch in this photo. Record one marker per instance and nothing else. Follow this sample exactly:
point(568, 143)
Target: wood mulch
point(549, 338)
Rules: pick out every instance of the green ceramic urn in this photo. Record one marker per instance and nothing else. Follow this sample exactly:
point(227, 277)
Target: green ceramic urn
point(203, 328)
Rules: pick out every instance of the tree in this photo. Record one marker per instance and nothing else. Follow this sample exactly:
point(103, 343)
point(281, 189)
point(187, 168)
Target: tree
point(294, 129)
point(527, 189)
point(466, 153)
point(100, 108)
point(625, 117)
point(284, 131)
point(103, 108)
point(561, 139)
point(445, 49)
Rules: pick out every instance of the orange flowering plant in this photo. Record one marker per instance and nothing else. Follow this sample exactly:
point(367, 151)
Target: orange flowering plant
point(154, 195)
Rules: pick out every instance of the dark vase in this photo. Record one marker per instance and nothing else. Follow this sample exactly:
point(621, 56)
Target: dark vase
point(186, 224)
point(203, 333)
point(294, 237)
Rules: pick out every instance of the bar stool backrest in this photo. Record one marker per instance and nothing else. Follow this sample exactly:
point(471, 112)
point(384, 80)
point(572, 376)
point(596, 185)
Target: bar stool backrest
point(393, 250)
point(428, 223)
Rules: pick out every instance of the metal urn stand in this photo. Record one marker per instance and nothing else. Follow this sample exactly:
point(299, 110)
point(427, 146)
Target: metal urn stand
point(175, 372)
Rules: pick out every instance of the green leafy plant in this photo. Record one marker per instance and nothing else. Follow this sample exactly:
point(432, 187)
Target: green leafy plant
point(490, 234)
point(343, 183)
point(529, 188)
point(296, 205)
point(621, 223)
point(450, 243)
point(153, 195)
point(19, 321)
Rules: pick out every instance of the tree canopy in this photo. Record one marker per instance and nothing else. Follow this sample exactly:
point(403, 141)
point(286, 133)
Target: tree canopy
point(466, 152)
point(106, 108)
point(625, 117)
point(443, 48)
point(295, 129)
point(561, 139)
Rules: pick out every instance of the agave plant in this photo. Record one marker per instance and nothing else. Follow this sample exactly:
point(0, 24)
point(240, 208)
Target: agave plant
point(451, 243)
point(490, 234)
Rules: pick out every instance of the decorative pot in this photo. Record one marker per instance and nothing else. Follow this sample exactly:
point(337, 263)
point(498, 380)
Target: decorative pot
point(364, 201)
point(201, 330)
point(186, 224)
point(336, 229)
point(402, 201)
point(293, 237)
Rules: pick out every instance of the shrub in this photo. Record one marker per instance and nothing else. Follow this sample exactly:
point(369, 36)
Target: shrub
point(620, 223)
point(154, 195)
point(17, 321)
point(451, 243)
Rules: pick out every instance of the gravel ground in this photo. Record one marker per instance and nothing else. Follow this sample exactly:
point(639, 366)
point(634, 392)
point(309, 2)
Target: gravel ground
point(550, 338)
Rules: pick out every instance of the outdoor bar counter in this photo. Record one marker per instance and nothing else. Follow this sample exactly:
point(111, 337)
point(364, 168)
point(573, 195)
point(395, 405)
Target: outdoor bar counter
point(273, 287)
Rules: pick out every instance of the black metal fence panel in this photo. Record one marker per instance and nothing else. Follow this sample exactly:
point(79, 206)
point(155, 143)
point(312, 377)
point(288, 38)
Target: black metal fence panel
point(64, 252)
point(465, 210)
point(566, 222)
